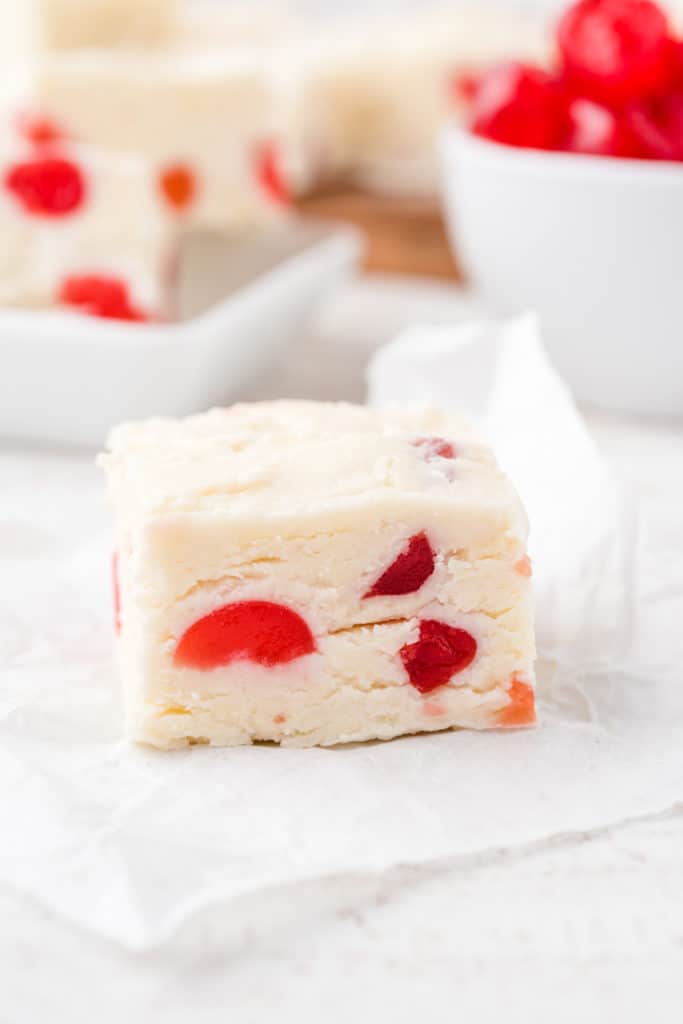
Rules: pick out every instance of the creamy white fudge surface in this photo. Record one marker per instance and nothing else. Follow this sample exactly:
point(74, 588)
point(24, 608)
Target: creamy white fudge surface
point(30, 29)
point(209, 124)
point(377, 89)
point(313, 573)
point(71, 24)
point(69, 212)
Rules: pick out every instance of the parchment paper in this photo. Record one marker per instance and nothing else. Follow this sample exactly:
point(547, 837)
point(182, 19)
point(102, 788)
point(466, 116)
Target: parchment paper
point(132, 844)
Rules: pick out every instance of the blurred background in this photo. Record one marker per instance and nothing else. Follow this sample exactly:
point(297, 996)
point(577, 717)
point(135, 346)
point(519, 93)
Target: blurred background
point(348, 170)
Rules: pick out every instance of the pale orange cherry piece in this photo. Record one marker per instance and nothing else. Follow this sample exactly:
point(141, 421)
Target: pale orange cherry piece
point(433, 709)
point(179, 186)
point(280, 719)
point(523, 566)
point(522, 707)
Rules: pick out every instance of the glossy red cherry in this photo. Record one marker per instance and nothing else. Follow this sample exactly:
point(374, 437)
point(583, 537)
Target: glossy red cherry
point(656, 127)
point(615, 51)
point(596, 130)
point(260, 631)
point(408, 571)
point(519, 105)
point(440, 653)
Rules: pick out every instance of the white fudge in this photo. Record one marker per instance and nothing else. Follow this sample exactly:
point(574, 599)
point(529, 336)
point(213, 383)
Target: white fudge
point(317, 574)
point(72, 24)
point(210, 25)
point(376, 90)
point(29, 29)
point(208, 123)
point(82, 228)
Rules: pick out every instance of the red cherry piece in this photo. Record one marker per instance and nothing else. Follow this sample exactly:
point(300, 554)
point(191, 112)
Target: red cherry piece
point(657, 127)
point(408, 572)
point(519, 105)
point(676, 59)
point(116, 590)
point(464, 86)
point(179, 187)
point(261, 631)
point(38, 130)
point(100, 296)
point(270, 175)
point(47, 186)
point(596, 130)
point(435, 448)
point(522, 707)
point(615, 51)
point(440, 653)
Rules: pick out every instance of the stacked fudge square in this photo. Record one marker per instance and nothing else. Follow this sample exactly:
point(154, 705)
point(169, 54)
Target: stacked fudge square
point(314, 574)
point(148, 78)
point(122, 139)
point(80, 228)
point(206, 124)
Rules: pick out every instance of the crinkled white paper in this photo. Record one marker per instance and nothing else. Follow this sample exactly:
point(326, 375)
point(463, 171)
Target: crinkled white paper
point(131, 844)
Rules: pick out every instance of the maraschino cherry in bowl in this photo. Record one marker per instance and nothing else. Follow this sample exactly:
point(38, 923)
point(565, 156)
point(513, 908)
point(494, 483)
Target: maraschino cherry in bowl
point(565, 194)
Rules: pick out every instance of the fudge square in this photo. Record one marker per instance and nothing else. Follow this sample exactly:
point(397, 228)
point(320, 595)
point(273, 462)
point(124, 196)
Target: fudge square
point(311, 573)
point(70, 24)
point(208, 123)
point(82, 229)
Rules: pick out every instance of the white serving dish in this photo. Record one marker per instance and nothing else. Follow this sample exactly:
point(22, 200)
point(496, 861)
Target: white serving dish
point(67, 378)
point(594, 244)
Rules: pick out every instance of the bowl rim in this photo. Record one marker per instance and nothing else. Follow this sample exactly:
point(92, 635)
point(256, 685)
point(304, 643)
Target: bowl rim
point(456, 137)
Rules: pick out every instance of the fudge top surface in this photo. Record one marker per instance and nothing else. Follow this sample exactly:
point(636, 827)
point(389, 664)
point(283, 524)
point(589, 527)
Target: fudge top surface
point(273, 460)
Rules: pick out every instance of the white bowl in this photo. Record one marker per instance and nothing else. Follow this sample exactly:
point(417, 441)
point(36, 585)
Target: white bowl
point(594, 244)
point(67, 378)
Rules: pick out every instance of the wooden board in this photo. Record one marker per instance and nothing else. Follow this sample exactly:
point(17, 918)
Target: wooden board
point(404, 235)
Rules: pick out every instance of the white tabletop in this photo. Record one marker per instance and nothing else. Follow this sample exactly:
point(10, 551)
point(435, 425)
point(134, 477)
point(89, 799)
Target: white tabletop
point(575, 927)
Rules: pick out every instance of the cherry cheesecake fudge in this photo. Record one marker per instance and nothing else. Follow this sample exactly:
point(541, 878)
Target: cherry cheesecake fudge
point(82, 228)
point(210, 124)
point(314, 574)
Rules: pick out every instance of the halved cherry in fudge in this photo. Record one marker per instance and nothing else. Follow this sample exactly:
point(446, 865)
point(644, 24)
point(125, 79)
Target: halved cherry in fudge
point(435, 448)
point(99, 295)
point(270, 175)
point(522, 707)
point(440, 653)
point(47, 186)
point(408, 571)
point(260, 631)
point(179, 186)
